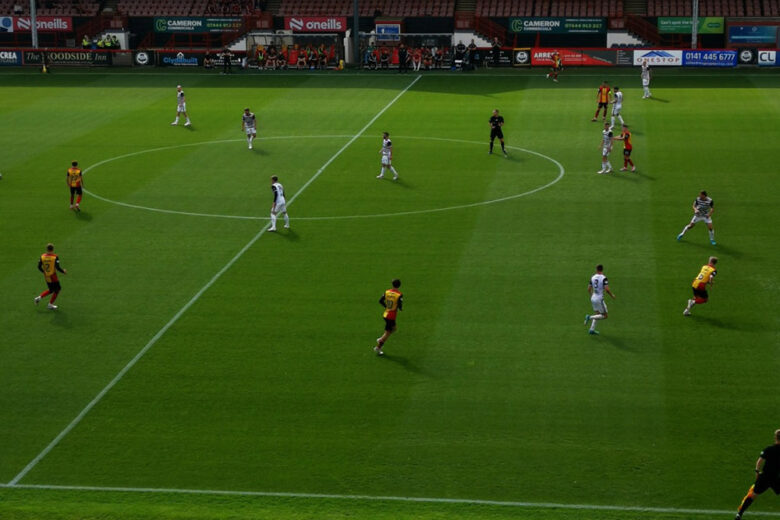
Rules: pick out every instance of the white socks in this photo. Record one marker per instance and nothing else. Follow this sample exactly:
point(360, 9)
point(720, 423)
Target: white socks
point(593, 319)
point(712, 234)
point(273, 221)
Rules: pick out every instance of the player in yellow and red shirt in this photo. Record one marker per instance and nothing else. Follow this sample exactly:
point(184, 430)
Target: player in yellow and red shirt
point(75, 182)
point(392, 300)
point(625, 136)
point(705, 277)
point(556, 66)
point(602, 98)
point(49, 264)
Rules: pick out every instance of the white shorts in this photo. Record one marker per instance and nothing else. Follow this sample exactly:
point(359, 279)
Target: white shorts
point(281, 207)
point(251, 131)
point(605, 151)
point(616, 110)
point(598, 303)
point(645, 82)
point(699, 218)
point(386, 160)
point(181, 108)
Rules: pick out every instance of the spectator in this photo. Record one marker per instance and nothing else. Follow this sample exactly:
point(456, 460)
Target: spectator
point(114, 42)
point(496, 49)
point(384, 58)
point(272, 58)
point(371, 61)
point(322, 56)
point(301, 61)
point(261, 57)
point(18, 10)
point(416, 60)
point(226, 55)
point(208, 61)
point(403, 59)
point(86, 43)
point(438, 58)
point(460, 54)
point(427, 59)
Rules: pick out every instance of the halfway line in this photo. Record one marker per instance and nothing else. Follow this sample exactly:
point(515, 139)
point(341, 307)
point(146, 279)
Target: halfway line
point(189, 304)
point(423, 500)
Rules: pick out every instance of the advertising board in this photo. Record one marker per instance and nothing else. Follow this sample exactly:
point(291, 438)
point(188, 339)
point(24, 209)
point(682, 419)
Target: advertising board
point(766, 34)
point(10, 58)
point(558, 25)
point(710, 58)
point(185, 24)
point(658, 57)
point(683, 25)
point(23, 24)
point(68, 57)
point(767, 58)
point(323, 24)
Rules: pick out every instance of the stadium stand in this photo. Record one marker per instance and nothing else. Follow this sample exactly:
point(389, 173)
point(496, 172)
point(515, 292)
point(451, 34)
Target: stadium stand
point(153, 8)
point(392, 8)
point(714, 8)
point(53, 8)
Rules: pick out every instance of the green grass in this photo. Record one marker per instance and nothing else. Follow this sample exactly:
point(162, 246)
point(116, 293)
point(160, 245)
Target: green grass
point(491, 390)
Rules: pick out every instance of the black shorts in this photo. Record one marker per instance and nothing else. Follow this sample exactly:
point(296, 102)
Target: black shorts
point(765, 482)
point(626, 151)
point(389, 325)
point(496, 132)
point(701, 293)
point(75, 189)
point(54, 287)
point(603, 105)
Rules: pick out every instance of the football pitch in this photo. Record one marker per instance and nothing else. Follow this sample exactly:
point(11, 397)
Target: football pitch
point(200, 366)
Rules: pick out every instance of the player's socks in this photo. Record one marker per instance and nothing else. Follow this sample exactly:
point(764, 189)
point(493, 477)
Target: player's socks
point(273, 223)
point(78, 200)
point(746, 501)
point(53, 298)
point(491, 147)
point(682, 233)
point(621, 120)
point(44, 294)
point(286, 220)
point(712, 235)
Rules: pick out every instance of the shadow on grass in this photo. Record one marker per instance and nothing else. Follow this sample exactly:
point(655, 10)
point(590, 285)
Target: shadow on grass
point(400, 182)
point(716, 250)
point(617, 343)
point(405, 363)
point(726, 325)
point(287, 234)
point(660, 100)
point(81, 215)
point(60, 318)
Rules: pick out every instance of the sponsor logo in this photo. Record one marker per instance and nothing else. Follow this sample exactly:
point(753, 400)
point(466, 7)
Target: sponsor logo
point(142, 58)
point(522, 57)
point(658, 57)
point(6, 24)
point(180, 60)
point(45, 24)
point(316, 23)
point(10, 58)
point(746, 56)
point(160, 25)
point(767, 57)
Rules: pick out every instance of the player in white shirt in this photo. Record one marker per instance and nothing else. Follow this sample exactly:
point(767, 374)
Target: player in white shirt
point(702, 212)
point(181, 107)
point(617, 106)
point(645, 79)
point(606, 148)
point(279, 204)
point(597, 286)
point(249, 125)
point(387, 157)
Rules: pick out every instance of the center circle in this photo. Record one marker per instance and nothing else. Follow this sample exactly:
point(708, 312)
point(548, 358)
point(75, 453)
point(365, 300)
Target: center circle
point(561, 173)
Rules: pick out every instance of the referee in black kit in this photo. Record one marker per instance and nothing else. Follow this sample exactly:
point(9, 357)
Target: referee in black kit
point(766, 477)
point(496, 122)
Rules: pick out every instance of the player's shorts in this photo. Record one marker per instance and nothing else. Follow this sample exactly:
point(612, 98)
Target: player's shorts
point(598, 303)
point(281, 207)
point(627, 152)
point(496, 132)
point(386, 160)
point(181, 108)
point(251, 131)
point(765, 482)
point(54, 287)
point(701, 294)
point(605, 151)
point(700, 218)
point(603, 105)
point(389, 325)
point(645, 82)
point(75, 190)
point(616, 110)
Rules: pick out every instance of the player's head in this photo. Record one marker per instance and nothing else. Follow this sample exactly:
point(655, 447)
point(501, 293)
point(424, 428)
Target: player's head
point(49, 247)
point(599, 268)
point(178, 87)
point(605, 82)
point(385, 135)
point(617, 89)
point(713, 260)
point(625, 127)
point(606, 126)
point(702, 195)
point(495, 112)
point(246, 110)
point(777, 436)
point(396, 283)
point(274, 178)
point(74, 163)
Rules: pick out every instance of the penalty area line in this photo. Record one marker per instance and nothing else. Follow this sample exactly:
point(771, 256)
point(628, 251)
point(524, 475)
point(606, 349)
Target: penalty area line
point(390, 498)
point(190, 303)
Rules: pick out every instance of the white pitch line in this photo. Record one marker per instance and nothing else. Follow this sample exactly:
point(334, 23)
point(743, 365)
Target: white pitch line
point(378, 498)
point(189, 304)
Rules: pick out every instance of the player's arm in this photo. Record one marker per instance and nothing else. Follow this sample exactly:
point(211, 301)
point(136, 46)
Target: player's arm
point(382, 300)
point(276, 197)
point(58, 267)
point(759, 463)
point(712, 208)
point(400, 303)
point(609, 291)
point(695, 209)
point(40, 266)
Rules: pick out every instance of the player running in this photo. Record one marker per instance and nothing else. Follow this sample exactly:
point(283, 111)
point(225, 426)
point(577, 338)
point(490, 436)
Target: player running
point(181, 107)
point(766, 477)
point(249, 125)
point(392, 301)
point(556, 66)
point(606, 148)
point(705, 277)
point(496, 122)
point(279, 204)
point(625, 136)
point(645, 79)
point(49, 264)
point(597, 286)
point(387, 157)
point(75, 181)
point(702, 212)
point(617, 106)
point(602, 98)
